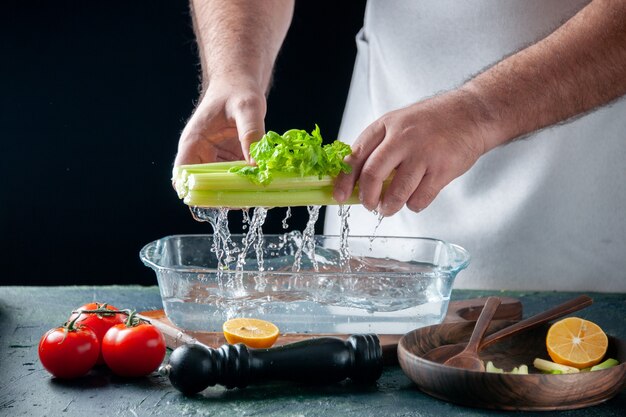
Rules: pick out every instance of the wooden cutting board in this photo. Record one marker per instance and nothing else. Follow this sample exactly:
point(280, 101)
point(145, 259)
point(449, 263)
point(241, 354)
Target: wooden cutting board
point(465, 310)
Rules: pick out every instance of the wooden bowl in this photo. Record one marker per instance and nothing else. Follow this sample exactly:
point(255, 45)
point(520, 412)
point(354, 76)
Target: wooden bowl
point(535, 391)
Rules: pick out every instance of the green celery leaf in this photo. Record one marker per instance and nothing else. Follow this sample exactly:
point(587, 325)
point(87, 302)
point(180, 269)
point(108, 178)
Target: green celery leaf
point(296, 153)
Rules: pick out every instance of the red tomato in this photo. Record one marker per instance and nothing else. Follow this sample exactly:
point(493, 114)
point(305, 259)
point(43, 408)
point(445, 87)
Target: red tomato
point(69, 353)
point(133, 351)
point(99, 323)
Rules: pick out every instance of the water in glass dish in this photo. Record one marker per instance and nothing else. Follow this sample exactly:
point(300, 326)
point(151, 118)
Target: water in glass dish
point(332, 302)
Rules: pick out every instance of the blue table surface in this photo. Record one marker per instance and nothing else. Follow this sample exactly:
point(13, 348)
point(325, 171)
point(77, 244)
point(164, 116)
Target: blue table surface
point(26, 389)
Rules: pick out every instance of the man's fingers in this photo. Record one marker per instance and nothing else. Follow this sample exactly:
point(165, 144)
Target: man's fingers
point(192, 149)
point(425, 193)
point(249, 114)
point(367, 141)
point(195, 145)
point(403, 185)
point(378, 167)
point(187, 156)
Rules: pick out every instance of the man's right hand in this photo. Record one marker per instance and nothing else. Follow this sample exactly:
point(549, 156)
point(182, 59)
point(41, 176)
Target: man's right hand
point(228, 119)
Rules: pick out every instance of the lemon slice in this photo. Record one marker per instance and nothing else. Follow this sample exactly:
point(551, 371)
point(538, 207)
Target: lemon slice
point(254, 333)
point(576, 342)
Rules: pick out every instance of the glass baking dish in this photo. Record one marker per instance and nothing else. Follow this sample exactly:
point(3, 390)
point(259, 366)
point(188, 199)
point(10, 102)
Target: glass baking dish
point(386, 285)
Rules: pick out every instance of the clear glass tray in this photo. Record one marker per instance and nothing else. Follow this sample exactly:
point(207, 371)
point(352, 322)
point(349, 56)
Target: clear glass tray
point(388, 285)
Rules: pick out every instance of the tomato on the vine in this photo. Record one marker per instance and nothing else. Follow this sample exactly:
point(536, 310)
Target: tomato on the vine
point(100, 323)
point(133, 349)
point(68, 351)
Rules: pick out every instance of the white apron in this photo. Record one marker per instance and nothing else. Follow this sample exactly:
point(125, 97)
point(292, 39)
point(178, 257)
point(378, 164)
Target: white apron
point(543, 213)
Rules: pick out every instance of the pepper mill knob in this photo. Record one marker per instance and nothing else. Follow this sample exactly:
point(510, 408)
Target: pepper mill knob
point(194, 367)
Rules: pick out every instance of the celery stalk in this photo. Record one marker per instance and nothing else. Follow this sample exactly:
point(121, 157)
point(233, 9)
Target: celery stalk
point(230, 181)
point(226, 198)
point(213, 185)
point(181, 173)
point(177, 171)
point(208, 167)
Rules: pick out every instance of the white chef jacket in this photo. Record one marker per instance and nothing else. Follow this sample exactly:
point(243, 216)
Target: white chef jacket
point(544, 213)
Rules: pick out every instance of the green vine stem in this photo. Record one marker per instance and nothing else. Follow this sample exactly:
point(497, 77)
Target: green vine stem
point(131, 321)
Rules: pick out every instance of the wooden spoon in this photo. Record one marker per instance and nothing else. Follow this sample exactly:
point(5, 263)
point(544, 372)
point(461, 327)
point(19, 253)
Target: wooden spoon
point(442, 353)
point(468, 358)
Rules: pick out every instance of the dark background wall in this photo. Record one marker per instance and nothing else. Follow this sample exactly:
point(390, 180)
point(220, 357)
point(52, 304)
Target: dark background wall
point(93, 96)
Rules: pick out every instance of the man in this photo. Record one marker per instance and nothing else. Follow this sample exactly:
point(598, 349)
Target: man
point(440, 87)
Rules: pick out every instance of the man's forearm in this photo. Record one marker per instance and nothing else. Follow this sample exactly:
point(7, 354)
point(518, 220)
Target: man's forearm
point(240, 38)
point(580, 66)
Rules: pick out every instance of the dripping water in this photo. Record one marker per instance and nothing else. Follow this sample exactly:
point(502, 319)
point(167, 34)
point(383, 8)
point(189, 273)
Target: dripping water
point(344, 249)
point(287, 216)
point(373, 236)
point(308, 240)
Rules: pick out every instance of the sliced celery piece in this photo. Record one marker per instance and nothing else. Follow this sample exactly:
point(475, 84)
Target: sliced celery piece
point(548, 366)
point(521, 370)
point(493, 369)
point(609, 363)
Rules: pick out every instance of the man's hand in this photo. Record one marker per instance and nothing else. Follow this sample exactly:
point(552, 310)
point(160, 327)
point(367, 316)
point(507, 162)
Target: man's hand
point(238, 41)
point(228, 119)
point(428, 144)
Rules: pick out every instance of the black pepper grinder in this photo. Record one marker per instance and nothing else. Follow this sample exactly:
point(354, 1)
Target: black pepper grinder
point(194, 367)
